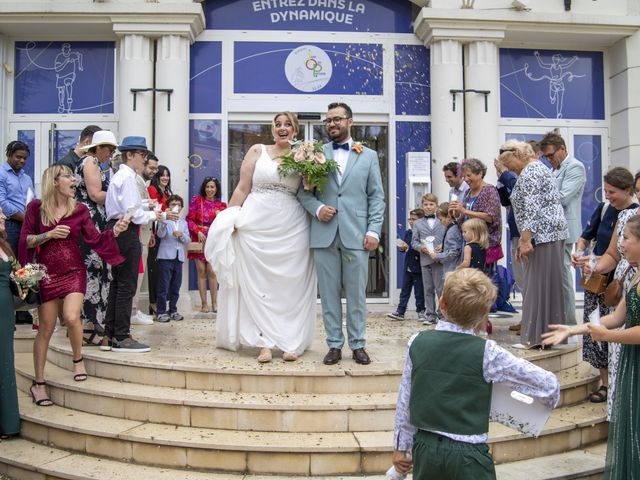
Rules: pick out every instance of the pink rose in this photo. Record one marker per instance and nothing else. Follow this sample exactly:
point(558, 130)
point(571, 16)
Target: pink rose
point(299, 155)
point(319, 157)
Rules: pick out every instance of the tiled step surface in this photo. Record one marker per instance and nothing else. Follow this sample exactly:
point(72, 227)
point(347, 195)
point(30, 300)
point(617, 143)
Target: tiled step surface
point(279, 452)
point(244, 375)
point(299, 412)
point(24, 460)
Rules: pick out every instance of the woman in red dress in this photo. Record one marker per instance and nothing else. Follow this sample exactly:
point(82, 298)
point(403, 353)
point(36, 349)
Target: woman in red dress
point(52, 226)
point(203, 209)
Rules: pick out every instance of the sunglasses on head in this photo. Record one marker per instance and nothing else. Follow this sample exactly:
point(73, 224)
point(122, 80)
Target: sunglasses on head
point(506, 150)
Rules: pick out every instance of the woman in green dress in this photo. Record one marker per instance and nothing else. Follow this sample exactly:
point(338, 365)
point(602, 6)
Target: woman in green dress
point(623, 454)
point(9, 414)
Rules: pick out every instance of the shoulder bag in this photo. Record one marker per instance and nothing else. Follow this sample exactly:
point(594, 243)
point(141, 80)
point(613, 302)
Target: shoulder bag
point(613, 293)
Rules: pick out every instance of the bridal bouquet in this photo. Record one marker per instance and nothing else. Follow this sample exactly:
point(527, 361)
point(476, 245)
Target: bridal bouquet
point(25, 284)
point(307, 159)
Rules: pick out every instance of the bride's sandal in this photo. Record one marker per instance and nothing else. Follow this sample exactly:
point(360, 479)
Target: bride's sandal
point(265, 356)
point(289, 357)
point(79, 377)
point(41, 402)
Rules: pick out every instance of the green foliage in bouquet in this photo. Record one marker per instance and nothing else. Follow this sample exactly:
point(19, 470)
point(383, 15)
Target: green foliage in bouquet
point(307, 159)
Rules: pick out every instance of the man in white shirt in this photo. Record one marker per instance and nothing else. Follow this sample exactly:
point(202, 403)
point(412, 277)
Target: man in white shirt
point(123, 200)
point(453, 176)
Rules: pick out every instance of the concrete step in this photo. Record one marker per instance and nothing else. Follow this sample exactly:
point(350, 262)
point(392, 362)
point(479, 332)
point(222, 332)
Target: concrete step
point(24, 460)
point(268, 452)
point(291, 412)
point(215, 369)
point(577, 464)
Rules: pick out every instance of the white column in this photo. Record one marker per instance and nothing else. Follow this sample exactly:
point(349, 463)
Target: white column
point(482, 72)
point(447, 124)
point(624, 74)
point(172, 126)
point(136, 71)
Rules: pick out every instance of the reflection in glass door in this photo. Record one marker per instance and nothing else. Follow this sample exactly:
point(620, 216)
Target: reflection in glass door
point(48, 142)
point(243, 135)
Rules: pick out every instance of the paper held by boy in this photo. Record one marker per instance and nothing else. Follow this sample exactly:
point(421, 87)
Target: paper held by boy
point(517, 410)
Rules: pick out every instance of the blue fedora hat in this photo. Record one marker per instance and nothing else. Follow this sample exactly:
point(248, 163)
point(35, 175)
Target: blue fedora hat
point(133, 143)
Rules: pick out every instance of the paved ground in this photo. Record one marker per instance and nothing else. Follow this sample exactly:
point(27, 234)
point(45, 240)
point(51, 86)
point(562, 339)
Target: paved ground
point(191, 344)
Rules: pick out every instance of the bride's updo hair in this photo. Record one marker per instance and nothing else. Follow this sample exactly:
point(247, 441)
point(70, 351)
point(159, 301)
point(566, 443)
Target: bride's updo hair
point(292, 118)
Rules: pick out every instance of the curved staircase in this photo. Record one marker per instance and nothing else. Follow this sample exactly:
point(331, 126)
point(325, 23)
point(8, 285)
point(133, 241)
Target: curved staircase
point(189, 411)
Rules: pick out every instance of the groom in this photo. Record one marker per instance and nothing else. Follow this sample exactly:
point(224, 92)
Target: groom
point(346, 222)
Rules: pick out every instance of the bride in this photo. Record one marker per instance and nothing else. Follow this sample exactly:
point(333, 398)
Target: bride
point(259, 249)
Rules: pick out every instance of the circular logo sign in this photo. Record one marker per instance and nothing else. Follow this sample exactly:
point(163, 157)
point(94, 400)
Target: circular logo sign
point(308, 68)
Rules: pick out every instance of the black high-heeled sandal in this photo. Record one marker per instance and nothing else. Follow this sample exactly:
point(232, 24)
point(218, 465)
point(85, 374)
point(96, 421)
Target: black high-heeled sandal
point(43, 402)
point(79, 377)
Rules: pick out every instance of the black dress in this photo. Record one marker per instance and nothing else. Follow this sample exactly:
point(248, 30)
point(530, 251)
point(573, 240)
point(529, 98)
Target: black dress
point(478, 256)
point(99, 277)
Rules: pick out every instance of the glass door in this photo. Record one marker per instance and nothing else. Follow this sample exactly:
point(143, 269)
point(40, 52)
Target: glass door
point(49, 142)
point(375, 136)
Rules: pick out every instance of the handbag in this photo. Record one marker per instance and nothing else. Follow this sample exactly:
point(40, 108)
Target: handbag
point(494, 254)
point(198, 247)
point(613, 293)
point(24, 299)
point(195, 247)
point(595, 283)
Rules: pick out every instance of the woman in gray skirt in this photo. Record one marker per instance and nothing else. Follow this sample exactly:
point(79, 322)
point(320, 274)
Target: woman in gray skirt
point(543, 228)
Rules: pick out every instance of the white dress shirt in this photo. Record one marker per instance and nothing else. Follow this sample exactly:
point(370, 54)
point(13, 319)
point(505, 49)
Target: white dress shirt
point(342, 157)
point(123, 195)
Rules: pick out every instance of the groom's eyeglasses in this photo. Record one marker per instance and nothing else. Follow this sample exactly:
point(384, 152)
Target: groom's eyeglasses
point(336, 120)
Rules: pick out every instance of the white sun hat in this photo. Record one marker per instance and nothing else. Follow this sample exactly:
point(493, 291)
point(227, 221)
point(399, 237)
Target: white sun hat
point(100, 138)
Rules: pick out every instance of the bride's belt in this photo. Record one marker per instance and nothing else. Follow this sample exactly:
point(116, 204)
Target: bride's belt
point(271, 188)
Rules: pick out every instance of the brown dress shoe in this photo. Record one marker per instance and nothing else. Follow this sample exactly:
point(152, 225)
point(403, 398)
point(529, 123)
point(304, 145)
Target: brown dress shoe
point(515, 328)
point(333, 356)
point(361, 357)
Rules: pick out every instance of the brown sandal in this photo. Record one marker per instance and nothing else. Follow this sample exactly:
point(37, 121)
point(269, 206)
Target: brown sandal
point(599, 396)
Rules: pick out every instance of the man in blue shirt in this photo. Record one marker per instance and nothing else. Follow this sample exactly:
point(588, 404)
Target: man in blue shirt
point(16, 190)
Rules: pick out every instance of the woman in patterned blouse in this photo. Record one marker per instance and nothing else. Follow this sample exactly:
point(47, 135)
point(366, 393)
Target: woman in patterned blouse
point(203, 209)
point(543, 228)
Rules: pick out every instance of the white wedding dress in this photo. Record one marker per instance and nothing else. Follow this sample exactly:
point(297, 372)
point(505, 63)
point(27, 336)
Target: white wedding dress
point(260, 253)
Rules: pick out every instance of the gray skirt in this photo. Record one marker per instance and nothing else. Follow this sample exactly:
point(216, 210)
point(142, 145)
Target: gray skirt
point(543, 302)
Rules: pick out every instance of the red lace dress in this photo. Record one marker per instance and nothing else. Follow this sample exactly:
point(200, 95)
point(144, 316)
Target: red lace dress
point(202, 213)
point(63, 258)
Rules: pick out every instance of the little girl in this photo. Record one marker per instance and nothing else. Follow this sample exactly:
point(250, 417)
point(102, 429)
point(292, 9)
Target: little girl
point(476, 236)
point(623, 456)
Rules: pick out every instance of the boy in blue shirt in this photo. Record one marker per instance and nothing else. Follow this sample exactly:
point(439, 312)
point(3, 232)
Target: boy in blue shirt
point(174, 237)
point(412, 273)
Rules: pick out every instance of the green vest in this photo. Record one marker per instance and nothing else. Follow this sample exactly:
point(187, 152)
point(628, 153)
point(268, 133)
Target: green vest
point(448, 390)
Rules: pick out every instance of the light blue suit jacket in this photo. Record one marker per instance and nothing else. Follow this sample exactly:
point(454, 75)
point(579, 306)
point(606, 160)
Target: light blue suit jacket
point(358, 199)
point(169, 244)
point(570, 180)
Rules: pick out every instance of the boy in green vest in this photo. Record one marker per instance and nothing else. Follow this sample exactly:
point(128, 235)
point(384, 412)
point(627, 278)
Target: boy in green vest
point(442, 414)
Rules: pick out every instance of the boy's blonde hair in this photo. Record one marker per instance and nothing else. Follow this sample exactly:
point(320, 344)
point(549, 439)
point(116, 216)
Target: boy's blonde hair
point(430, 197)
point(479, 231)
point(468, 295)
point(443, 210)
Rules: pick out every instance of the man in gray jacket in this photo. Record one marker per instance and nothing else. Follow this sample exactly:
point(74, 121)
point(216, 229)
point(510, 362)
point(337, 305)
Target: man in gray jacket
point(570, 178)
